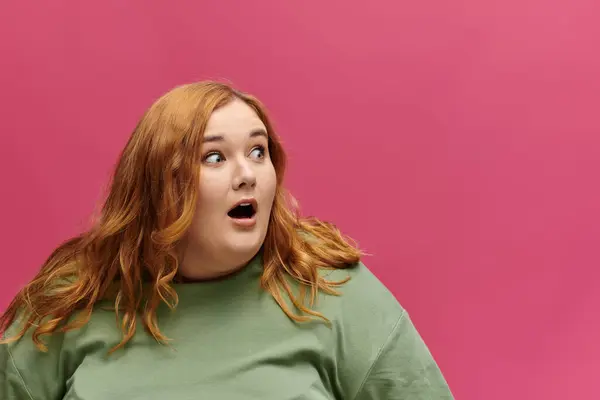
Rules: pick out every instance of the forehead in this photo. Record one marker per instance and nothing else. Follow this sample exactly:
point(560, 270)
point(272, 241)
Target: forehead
point(236, 117)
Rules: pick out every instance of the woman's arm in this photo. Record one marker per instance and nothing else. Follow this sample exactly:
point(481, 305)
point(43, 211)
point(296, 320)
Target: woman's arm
point(404, 369)
point(12, 385)
point(380, 354)
point(26, 373)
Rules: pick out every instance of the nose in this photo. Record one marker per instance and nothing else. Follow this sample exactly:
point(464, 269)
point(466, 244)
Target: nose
point(245, 177)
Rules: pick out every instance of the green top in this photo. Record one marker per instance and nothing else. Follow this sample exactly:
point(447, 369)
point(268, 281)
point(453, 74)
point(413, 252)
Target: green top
point(232, 341)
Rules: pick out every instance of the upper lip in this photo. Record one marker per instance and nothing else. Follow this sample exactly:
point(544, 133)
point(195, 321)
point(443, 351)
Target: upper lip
point(251, 200)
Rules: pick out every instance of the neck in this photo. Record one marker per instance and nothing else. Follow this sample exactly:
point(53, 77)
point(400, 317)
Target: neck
point(198, 266)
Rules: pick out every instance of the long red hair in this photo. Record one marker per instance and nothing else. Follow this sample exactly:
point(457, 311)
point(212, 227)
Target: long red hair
point(148, 209)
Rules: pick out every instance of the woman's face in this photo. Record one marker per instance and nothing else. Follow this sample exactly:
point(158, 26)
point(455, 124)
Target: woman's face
point(236, 192)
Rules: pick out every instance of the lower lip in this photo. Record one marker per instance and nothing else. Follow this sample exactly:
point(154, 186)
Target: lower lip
point(244, 222)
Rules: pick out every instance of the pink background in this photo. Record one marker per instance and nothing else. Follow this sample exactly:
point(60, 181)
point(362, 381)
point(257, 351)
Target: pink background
point(458, 142)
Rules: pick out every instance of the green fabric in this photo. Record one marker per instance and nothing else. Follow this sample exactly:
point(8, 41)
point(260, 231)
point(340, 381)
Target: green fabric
point(230, 340)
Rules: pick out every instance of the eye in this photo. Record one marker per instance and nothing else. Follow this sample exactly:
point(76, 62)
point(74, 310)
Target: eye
point(213, 158)
point(258, 152)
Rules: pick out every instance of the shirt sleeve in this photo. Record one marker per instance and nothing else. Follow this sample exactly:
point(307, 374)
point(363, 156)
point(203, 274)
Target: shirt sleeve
point(404, 369)
point(26, 373)
point(12, 386)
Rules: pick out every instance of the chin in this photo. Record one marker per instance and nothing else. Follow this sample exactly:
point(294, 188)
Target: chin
point(243, 247)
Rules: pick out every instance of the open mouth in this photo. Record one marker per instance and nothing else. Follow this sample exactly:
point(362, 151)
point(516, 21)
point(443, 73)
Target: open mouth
point(245, 210)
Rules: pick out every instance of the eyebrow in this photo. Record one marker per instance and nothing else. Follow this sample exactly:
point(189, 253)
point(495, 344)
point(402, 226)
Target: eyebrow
point(220, 138)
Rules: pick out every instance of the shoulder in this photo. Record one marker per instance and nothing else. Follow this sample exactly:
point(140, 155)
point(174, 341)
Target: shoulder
point(61, 347)
point(364, 294)
point(379, 352)
point(28, 371)
point(363, 317)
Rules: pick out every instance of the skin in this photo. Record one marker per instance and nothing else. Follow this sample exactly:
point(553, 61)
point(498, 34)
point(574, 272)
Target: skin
point(235, 165)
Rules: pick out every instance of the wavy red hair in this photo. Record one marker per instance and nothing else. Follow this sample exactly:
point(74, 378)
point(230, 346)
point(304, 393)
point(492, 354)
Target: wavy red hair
point(148, 209)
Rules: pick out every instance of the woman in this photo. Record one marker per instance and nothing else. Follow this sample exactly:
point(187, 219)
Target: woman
point(198, 280)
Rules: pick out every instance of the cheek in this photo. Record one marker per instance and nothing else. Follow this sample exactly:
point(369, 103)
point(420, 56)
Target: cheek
point(270, 180)
point(210, 202)
point(208, 210)
point(212, 190)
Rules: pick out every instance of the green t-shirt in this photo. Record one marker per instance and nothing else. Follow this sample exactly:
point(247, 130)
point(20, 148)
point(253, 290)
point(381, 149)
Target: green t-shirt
point(230, 340)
